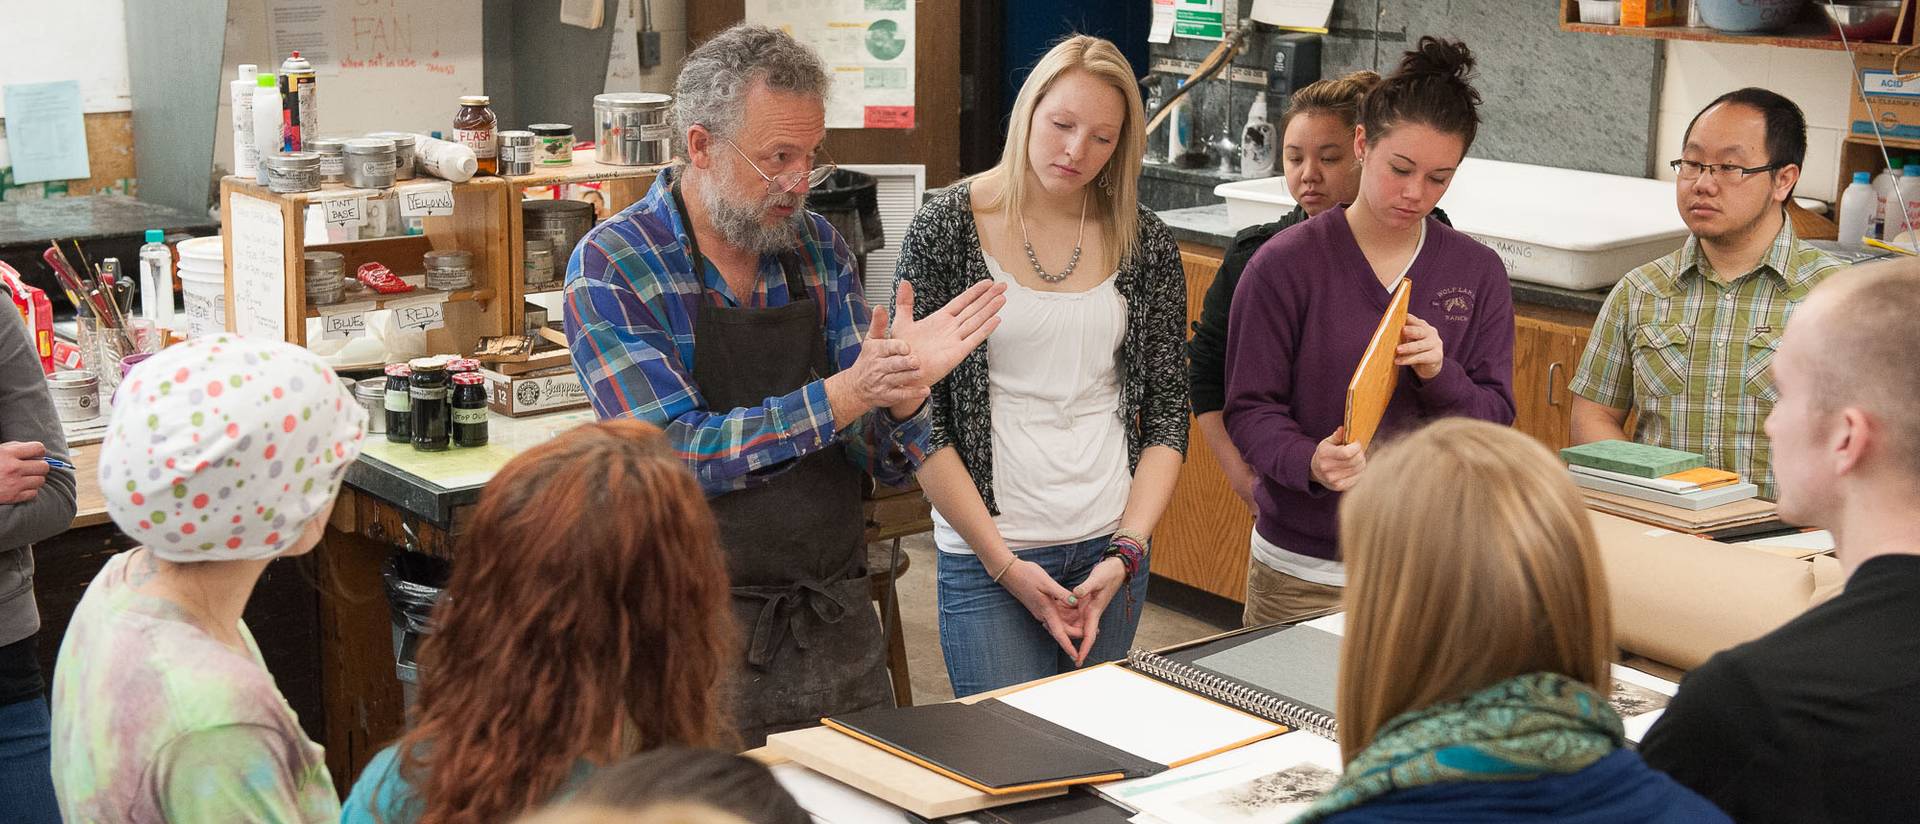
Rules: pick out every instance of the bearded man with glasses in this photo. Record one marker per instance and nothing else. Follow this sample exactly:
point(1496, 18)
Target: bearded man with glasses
point(1687, 341)
point(719, 309)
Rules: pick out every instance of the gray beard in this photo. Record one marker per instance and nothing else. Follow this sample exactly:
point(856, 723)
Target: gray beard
point(740, 224)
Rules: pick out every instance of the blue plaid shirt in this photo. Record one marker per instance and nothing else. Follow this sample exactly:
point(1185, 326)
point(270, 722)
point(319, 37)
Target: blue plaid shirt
point(631, 300)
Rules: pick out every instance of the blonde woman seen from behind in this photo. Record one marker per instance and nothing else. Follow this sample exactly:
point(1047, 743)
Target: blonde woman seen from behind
point(1053, 448)
point(1474, 669)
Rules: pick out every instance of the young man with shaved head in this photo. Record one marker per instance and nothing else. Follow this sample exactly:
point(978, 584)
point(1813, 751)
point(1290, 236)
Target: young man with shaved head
point(1685, 340)
point(1819, 721)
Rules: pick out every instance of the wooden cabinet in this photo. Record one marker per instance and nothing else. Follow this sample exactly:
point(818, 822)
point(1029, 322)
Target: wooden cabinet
point(1202, 541)
point(1547, 344)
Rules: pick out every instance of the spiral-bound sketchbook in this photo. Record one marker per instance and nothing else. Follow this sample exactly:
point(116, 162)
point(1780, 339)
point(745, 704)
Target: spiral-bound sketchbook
point(1285, 674)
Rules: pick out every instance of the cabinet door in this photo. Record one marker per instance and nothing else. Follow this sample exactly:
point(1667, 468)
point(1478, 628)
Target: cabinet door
point(1202, 541)
point(1545, 354)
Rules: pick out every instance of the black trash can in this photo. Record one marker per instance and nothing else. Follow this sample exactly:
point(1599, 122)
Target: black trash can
point(850, 201)
point(414, 581)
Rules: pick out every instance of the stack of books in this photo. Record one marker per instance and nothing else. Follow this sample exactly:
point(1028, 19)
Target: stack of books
point(1664, 487)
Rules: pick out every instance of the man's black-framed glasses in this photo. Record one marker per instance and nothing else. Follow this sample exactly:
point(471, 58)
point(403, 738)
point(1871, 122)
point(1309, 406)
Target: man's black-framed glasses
point(1722, 172)
point(784, 182)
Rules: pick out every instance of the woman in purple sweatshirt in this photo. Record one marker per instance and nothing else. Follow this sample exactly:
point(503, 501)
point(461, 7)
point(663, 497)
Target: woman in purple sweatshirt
point(1309, 302)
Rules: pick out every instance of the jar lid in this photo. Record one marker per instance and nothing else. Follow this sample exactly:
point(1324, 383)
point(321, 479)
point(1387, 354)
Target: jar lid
point(540, 253)
point(515, 137)
point(463, 365)
point(469, 379)
point(435, 363)
point(398, 370)
point(475, 100)
point(552, 129)
point(327, 145)
point(371, 390)
point(539, 246)
point(398, 138)
point(332, 260)
point(447, 259)
point(294, 161)
point(370, 145)
point(632, 100)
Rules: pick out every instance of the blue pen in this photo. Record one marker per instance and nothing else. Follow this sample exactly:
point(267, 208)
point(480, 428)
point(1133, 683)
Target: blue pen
point(57, 463)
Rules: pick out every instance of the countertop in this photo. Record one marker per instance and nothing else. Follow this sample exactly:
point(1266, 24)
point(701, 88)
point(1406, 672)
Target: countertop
point(430, 485)
point(1207, 226)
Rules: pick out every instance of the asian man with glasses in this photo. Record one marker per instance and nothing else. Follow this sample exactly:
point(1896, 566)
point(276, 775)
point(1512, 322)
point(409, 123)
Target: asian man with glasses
point(1687, 341)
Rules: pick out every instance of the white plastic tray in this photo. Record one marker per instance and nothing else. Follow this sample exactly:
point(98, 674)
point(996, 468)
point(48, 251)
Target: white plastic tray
point(1560, 227)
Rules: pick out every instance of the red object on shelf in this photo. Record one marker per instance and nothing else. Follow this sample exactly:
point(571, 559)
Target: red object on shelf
point(381, 279)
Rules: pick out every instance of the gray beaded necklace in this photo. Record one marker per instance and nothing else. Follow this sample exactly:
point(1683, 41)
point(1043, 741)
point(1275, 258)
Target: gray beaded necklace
point(1072, 262)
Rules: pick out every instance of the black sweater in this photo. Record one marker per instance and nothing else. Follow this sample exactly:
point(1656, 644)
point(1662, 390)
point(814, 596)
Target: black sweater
point(1819, 720)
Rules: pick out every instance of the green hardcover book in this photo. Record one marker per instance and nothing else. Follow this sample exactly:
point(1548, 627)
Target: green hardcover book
point(1637, 459)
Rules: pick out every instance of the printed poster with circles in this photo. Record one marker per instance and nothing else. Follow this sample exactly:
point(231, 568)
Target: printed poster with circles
point(868, 49)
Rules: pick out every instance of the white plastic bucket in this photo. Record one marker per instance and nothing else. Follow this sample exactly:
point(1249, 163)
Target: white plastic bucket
point(203, 282)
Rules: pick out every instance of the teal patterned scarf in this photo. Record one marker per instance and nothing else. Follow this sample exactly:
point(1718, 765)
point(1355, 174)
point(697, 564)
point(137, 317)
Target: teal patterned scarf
point(1519, 729)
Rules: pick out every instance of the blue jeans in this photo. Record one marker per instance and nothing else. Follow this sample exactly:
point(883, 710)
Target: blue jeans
point(992, 641)
point(26, 780)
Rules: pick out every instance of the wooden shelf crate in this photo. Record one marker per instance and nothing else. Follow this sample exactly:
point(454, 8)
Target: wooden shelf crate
point(479, 224)
point(1812, 32)
point(620, 187)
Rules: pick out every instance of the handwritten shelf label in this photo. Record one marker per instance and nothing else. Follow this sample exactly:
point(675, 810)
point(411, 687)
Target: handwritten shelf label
point(420, 316)
point(426, 201)
point(345, 211)
point(343, 325)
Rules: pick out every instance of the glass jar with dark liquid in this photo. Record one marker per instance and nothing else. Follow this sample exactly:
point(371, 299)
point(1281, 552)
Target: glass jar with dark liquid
point(469, 409)
point(428, 393)
point(399, 403)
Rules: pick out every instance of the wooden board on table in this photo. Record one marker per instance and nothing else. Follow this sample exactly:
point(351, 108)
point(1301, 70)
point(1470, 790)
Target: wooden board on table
point(1374, 380)
point(886, 776)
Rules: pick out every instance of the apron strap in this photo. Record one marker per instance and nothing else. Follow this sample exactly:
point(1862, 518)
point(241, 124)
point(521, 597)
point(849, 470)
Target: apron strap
point(779, 607)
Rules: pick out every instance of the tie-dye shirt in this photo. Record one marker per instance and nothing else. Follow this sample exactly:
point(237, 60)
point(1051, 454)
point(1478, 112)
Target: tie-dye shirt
point(155, 720)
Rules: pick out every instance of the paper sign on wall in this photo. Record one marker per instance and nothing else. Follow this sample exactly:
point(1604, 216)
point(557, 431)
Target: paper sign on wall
point(1200, 19)
point(1163, 16)
point(869, 49)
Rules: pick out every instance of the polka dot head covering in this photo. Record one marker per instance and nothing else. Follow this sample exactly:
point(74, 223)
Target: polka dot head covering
point(223, 448)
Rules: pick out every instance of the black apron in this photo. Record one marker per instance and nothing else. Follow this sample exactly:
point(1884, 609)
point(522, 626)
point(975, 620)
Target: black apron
point(795, 550)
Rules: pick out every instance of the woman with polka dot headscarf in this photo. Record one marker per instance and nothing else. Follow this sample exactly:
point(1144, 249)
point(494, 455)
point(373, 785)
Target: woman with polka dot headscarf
point(222, 454)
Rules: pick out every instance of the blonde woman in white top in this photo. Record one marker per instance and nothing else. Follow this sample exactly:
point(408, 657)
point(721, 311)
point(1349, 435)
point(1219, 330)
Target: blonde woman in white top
point(1055, 446)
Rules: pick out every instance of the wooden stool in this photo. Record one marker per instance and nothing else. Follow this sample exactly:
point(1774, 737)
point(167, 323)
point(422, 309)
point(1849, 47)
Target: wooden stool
point(893, 514)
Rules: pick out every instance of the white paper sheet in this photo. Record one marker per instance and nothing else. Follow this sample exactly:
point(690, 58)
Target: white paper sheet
point(1307, 15)
point(1270, 785)
point(1135, 713)
point(258, 267)
point(831, 802)
point(1811, 542)
point(1163, 16)
point(868, 46)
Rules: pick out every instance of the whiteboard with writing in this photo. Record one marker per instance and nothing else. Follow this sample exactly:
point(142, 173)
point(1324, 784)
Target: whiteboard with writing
point(257, 267)
point(382, 64)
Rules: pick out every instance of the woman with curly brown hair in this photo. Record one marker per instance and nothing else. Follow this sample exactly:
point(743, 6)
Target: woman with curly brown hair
point(566, 639)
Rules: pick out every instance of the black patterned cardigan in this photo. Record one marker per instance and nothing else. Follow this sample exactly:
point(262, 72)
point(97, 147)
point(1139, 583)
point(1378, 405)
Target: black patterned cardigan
point(941, 257)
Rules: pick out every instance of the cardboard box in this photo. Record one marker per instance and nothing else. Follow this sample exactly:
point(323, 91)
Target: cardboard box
point(548, 390)
point(1896, 103)
point(1650, 13)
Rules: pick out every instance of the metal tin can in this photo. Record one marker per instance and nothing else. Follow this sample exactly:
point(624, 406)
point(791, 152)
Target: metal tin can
point(561, 223)
point(517, 152)
point(398, 400)
point(540, 270)
point(448, 270)
point(333, 158)
point(370, 163)
point(630, 128)
point(325, 277)
point(293, 172)
point(403, 165)
point(371, 394)
point(469, 409)
point(555, 143)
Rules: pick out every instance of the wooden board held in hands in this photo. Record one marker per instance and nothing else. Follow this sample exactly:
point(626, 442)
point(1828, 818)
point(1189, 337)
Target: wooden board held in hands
point(1375, 378)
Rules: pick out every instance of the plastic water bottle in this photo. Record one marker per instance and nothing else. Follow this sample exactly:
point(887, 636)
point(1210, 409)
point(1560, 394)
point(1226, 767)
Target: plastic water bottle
point(1856, 211)
point(156, 280)
point(268, 124)
point(1884, 187)
point(1902, 221)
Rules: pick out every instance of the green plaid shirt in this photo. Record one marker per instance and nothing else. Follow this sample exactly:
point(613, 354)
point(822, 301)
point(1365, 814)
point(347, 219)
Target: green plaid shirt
point(1692, 354)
